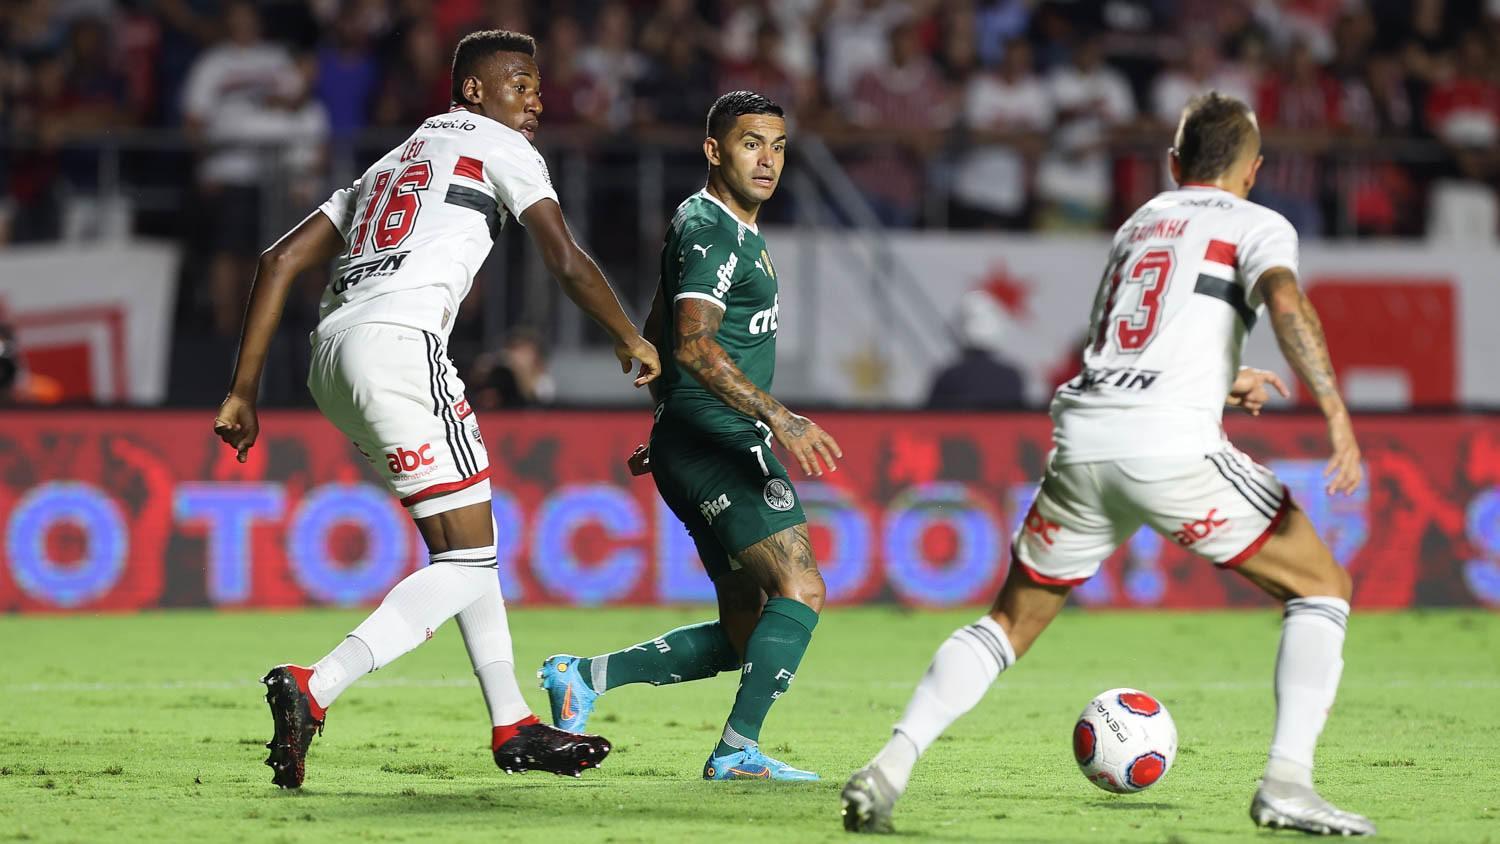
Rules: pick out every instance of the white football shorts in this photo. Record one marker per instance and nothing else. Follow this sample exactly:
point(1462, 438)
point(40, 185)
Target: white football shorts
point(1222, 507)
point(393, 391)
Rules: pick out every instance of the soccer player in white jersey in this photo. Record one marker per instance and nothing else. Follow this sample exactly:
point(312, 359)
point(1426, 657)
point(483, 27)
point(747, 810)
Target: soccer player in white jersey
point(1139, 441)
point(405, 241)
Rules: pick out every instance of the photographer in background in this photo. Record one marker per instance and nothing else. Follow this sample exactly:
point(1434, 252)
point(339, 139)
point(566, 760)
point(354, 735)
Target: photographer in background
point(17, 386)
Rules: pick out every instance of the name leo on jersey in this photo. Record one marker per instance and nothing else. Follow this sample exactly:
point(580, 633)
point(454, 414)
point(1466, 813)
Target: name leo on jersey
point(378, 267)
point(1114, 376)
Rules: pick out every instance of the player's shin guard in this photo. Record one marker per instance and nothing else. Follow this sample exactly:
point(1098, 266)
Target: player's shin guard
point(772, 654)
point(687, 653)
point(486, 632)
point(1308, 665)
point(417, 606)
point(963, 669)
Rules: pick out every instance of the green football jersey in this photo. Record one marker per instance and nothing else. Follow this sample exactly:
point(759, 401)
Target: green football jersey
point(710, 254)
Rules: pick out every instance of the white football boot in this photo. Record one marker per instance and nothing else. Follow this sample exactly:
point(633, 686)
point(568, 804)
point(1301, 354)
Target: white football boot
point(1285, 805)
point(867, 801)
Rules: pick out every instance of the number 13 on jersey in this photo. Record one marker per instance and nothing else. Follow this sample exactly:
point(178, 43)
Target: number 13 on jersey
point(1144, 283)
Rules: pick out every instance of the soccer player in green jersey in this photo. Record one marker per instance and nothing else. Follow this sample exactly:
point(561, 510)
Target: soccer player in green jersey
point(710, 454)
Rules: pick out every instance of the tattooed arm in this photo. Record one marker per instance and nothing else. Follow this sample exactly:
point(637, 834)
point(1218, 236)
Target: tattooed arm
point(698, 353)
point(1300, 335)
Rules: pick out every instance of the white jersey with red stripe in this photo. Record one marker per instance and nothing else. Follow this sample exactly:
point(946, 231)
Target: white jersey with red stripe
point(1177, 298)
point(419, 223)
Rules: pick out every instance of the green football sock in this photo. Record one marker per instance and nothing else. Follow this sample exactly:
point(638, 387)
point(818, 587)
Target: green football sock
point(771, 658)
point(687, 653)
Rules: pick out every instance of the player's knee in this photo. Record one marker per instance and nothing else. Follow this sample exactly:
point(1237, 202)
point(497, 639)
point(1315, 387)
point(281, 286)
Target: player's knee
point(1334, 581)
point(805, 587)
point(811, 590)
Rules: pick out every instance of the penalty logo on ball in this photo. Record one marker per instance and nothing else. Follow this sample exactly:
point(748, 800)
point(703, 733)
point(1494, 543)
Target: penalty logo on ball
point(779, 495)
point(1124, 741)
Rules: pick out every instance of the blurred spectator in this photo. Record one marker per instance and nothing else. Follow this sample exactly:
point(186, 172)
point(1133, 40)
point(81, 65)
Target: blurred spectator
point(675, 88)
point(676, 20)
point(614, 64)
point(571, 96)
point(958, 56)
point(991, 184)
point(856, 37)
point(998, 24)
point(764, 73)
point(981, 378)
point(1300, 101)
point(348, 74)
point(516, 375)
point(18, 385)
point(232, 88)
point(1074, 180)
point(417, 84)
point(908, 103)
point(745, 24)
point(1463, 111)
point(1200, 71)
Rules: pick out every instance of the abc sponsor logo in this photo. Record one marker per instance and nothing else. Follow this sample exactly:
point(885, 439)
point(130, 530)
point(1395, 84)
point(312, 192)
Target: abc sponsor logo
point(1199, 529)
point(1043, 529)
point(403, 460)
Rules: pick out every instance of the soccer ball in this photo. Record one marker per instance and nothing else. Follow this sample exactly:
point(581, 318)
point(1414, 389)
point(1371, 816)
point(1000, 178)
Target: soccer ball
point(1124, 741)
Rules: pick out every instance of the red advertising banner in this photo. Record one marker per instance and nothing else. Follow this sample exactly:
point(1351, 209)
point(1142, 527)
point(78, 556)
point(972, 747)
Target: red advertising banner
point(103, 510)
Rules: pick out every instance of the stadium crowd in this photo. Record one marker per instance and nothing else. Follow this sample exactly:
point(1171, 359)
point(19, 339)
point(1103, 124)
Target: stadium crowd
point(1381, 116)
point(1042, 113)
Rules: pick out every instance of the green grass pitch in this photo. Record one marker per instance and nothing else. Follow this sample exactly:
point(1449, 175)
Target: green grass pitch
point(150, 727)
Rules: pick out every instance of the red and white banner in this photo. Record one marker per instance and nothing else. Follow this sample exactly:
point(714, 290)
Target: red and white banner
point(1409, 325)
point(97, 320)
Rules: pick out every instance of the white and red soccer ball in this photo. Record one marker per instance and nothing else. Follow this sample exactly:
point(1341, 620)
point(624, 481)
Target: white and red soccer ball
point(1124, 741)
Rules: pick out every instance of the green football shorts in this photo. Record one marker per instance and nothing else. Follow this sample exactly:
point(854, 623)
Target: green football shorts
point(725, 484)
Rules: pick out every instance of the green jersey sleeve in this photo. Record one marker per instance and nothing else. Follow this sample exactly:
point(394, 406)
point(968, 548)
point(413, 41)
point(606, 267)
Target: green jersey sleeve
point(710, 264)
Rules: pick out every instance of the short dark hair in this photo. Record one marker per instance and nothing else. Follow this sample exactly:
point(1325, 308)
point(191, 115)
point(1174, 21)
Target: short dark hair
point(1212, 133)
point(478, 46)
point(728, 108)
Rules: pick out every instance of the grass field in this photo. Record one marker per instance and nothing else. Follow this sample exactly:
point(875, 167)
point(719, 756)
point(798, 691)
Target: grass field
point(150, 727)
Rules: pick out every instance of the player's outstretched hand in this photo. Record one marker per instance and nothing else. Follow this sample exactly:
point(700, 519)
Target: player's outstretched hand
point(640, 461)
point(639, 349)
point(237, 425)
point(1249, 389)
point(807, 442)
point(1344, 465)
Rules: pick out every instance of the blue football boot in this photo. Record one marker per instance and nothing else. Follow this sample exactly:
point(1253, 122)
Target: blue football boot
point(749, 764)
point(572, 699)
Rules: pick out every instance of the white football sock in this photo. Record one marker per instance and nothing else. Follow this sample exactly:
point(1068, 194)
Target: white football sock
point(486, 633)
point(417, 606)
point(963, 669)
point(336, 672)
point(1308, 665)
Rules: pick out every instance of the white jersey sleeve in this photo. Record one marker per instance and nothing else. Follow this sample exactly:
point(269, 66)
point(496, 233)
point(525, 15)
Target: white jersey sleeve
point(1270, 243)
point(518, 174)
point(339, 208)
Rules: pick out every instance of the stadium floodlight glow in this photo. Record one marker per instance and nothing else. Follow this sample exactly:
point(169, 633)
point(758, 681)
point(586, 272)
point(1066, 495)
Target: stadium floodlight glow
point(561, 516)
point(369, 508)
point(970, 574)
point(106, 538)
point(229, 509)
